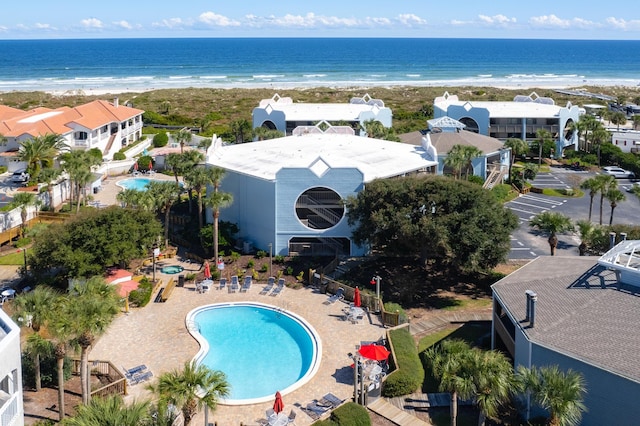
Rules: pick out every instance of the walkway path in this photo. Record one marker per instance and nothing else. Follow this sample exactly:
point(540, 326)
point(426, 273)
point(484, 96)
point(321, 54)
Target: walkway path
point(402, 410)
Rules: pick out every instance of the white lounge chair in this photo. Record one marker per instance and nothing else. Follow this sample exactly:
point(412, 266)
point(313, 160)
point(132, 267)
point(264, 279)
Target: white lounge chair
point(235, 284)
point(333, 299)
point(246, 285)
point(267, 288)
point(223, 283)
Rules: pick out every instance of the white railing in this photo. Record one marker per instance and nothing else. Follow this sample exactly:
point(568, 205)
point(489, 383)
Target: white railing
point(9, 410)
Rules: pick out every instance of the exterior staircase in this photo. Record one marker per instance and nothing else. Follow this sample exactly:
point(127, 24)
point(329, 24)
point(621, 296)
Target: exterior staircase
point(495, 177)
point(109, 144)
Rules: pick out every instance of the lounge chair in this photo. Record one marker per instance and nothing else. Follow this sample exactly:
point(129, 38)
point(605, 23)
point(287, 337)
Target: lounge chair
point(333, 299)
point(267, 288)
point(317, 408)
point(235, 284)
point(223, 283)
point(276, 291)
point(136, 369)
point(333, 400)
point(292, 418)
point(247, 284)
point(142, 377)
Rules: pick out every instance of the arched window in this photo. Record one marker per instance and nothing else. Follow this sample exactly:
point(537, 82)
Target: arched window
point(319, 208)
point(471, 124)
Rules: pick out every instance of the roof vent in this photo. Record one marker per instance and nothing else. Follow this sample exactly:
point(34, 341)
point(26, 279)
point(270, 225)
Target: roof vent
point(532, 297)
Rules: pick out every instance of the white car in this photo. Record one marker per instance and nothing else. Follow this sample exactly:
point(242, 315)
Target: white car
point(20, 176)
point(617, 172)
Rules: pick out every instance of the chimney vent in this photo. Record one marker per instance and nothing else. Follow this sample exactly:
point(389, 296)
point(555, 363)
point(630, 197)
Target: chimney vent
point(623, 236)
point(612, 239)
point(116, 101)
point(532, 299)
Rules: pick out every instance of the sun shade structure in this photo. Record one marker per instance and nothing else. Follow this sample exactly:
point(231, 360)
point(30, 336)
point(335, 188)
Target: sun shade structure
point(624, 258)
point(375, 352)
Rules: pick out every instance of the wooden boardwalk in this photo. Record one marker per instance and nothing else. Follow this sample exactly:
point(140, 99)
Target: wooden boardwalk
point(393, 413)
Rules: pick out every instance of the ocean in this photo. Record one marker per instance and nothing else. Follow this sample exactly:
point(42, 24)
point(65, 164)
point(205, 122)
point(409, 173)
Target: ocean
point(117, 65)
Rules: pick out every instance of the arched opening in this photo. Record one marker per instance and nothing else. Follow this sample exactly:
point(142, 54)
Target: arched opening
point(269, 125)
point(471, 124)
point(319, 208)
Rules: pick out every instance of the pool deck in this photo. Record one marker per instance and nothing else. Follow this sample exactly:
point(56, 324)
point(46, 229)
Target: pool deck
point(157, 337)
point(107, 195)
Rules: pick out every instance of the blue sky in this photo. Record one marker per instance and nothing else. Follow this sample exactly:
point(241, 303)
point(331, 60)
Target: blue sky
point(545, 19)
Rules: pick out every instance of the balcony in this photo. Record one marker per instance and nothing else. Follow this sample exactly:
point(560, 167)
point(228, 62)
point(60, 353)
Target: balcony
point(8, 408)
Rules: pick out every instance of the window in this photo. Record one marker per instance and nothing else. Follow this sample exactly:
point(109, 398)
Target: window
point(81, 136)
point(319, 208)
point(103, 129)
point(123, 125)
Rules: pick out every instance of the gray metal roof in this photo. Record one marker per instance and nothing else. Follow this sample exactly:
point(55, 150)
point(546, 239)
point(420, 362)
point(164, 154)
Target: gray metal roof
point(444, 141)
point(580, 311)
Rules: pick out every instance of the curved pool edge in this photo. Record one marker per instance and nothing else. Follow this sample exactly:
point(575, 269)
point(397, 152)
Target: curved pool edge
point(193, 329)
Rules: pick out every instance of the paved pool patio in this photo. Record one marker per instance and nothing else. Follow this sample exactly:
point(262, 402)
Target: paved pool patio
point(156, 336)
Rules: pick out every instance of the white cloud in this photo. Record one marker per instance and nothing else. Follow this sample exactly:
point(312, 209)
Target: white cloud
point(496, 20)
point(213, 19)
point(459, 22)
point(622, 24)
point(124, 25)
point(411, 20)
point(171, 23)
point(92, 23)
point(554, 22)
point(3, 28)
point(40, 26)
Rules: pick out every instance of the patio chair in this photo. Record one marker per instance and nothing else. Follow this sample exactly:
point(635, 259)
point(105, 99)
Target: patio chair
point(199, 287)
point(206, 285)
point(235, 284)
point(247, 284)
point(271, 414)
point(267, 288)
point(333, 400)
point(333, 299)
point(292, 417)
point(276, 291)
point(223, 283)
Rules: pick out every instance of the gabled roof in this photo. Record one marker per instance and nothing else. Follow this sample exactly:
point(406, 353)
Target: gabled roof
point(445, 123)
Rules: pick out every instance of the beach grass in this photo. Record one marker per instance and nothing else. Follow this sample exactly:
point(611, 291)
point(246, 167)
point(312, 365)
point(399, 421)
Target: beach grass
point(411, 105)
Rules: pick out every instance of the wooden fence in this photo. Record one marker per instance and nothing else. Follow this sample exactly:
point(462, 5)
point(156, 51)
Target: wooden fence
point(117, 383)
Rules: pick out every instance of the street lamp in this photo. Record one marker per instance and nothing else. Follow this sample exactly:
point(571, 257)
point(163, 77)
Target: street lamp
point(376, 280)
point(270, 259)
point(154, 254)
point(358, 380)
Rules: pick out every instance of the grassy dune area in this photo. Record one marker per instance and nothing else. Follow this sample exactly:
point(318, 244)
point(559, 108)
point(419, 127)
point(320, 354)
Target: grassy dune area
point(219, 107)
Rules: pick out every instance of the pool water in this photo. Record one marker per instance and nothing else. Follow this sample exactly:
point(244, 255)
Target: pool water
point(260, 348)
point(173, 269)
point(139, 184)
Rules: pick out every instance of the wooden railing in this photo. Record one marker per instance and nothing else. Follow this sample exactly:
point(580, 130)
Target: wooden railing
point(117, 382)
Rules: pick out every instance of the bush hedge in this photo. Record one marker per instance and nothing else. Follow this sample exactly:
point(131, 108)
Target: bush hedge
point(160, 140)
point(409, 373)
point(349, 414)
point(119, 156)
point(142, 295)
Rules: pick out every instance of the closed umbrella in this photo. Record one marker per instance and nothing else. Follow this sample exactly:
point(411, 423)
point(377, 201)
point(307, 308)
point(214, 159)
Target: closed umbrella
point(374, 352)
point(278, 405)
point(207, 271)
point(150, 165)
point(135, 166)
point(356, 298)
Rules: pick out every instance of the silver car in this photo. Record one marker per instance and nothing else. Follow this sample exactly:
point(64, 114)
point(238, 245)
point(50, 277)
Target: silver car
point(617, 172)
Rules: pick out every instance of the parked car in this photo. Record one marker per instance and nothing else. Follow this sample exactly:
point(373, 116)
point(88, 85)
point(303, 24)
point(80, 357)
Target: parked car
point(632, 187)
point(20, 176)
point(618, 172)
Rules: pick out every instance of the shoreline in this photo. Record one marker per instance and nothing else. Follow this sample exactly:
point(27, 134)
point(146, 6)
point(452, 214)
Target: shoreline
point(122, 90)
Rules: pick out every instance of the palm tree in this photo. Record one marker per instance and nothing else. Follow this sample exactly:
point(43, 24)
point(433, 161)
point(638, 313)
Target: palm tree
point(450, 364)
point(469, 153)
point(183, 136)
point(78, 164)
point(618, 118)
point(593, 186)
point(263, 133)
point(23, 200)
point(95, 304)
point(174, 162)
point(374, 129)
point(40, 151)
point(605, 183)
point(455, 160)
point(60, 330)
point(559, 392)
point(543, 137)
point(585, 229)
point(552, 223)
point(192, 388)
point(38, 347)
point(518, 147)
point(240, 128)
point(614, 195)
point(164, 194)
point(636, 121)
point(129, 198)
point(494, 382)
point(205, 144)
point(32, 309)
point(217, 201)
point(198, 178)
point(600, 136)
point(585, 124)
point(110, 411)
point(48, 176)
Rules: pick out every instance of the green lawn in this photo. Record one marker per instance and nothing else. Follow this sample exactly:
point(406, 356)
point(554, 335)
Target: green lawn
point(13, 258)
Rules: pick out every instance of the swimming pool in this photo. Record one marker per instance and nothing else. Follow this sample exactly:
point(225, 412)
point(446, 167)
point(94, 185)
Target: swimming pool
point(261, 348)
point(139, 184)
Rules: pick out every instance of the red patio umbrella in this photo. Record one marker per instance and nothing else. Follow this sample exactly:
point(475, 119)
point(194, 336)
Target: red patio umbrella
point(278, 405)
point(207, 271)
point(356, 298)
point(150, 165)
point(375, 352)
point(135, 166)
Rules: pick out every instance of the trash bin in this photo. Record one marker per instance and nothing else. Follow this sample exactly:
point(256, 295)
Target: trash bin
point(96, 189)
point(181, 281)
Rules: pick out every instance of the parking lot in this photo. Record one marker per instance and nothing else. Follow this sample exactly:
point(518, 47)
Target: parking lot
point(527, 243)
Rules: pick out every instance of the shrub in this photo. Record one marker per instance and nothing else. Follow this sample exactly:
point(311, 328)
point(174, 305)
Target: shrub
point(3, 169)
point(278, 259)
point(288, 271)
point(118, 156)
point(190, 277)
point(261, 253)
point(22, 242)
point(394, 307)
point(409, 373)
point(250, 264)
point(142, 295)
point(254, 274)
point(351, 414)
point(300, 276)
point(234, 256)
point(160, 140)
point(264, 267)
